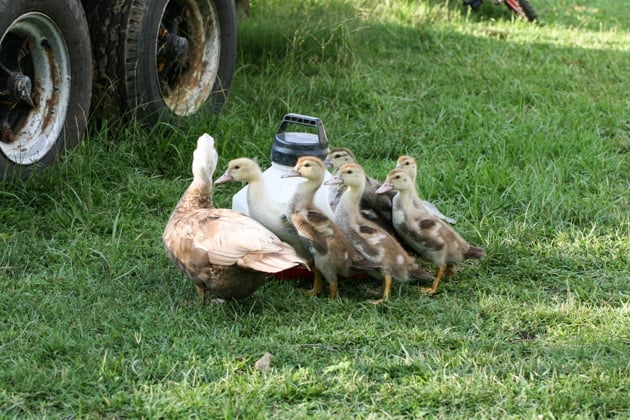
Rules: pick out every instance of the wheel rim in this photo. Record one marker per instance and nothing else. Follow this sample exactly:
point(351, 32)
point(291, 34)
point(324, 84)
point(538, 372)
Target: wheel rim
point(187, 82)
point(29, 131)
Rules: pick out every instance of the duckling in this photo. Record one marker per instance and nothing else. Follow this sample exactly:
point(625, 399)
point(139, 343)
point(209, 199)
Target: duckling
point(434, 239)
point(223, 252)
point(408, 164)
point(374, 242)
point(333, 254)
point(262, 208)
point(336, 157)
point(374, 207)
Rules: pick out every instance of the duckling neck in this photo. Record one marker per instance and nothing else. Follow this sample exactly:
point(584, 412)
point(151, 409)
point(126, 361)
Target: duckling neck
point(349, 203)
point(256, 190)
point(198, 195)
point(303, 196)
point(413, 192)
point(403, 198)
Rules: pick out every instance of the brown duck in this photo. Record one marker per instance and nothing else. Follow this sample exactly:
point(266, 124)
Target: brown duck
point(372, 241)
point(224, 253)
point(431, 237)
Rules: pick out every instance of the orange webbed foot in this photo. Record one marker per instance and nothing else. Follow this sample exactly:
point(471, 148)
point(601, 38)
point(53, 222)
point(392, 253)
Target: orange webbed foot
point(318, 284)
point(436, 283)
point(387, 288)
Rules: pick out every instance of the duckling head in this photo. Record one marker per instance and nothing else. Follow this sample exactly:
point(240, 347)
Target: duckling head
point(338, 156)
point(407, 164)
point(350, 174)
point(309, 167)
point(241, 169)
point(205, 158)
point(397, 179)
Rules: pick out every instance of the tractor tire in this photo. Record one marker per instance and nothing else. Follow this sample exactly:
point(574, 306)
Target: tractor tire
point(45, 83)
point(133, 76)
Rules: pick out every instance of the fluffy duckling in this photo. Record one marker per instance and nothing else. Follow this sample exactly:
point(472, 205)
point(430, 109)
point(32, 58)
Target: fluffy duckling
point(336, 157)
point(224, 252)
point(432, 238)
point(372, 241)
point(408, 164)
point(333, 255)
point(270, 213)
point(375, 207)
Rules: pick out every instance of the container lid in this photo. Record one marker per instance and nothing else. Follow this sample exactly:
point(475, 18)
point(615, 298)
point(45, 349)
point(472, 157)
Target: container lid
point(288, 146)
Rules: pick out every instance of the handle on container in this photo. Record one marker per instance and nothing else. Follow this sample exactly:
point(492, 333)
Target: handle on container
point(306, 121)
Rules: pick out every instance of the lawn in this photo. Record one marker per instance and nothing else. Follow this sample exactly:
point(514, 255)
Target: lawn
point(522, 133)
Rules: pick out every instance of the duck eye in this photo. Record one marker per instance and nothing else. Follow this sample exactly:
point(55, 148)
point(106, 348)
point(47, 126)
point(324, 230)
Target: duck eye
point(237, 167)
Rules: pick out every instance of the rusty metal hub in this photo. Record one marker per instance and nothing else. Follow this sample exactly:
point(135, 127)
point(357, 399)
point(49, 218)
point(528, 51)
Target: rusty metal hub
point(188, 54)
point(15, 86)
point(35, 82)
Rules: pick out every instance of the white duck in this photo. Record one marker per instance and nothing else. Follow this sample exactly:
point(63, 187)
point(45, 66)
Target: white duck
point(333, 255)
point(431, 237)
point(270, 213)
point(372, 241)
point(408, 164)
point(223, 252)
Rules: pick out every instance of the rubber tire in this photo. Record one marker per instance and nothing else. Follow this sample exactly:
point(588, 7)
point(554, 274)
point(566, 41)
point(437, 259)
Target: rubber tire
point(123, 34)
point(70, 19)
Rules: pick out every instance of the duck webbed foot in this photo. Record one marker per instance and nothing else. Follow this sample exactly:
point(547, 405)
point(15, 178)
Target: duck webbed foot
point(387, 290)
point(202, 294)
point(438, 277)
point(378, 291)
point(318, 284)
point(333, 289)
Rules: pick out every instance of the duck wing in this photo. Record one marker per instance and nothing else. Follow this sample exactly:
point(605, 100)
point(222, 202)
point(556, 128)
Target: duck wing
point(225, 237)
point(431, 209)
point(425, 232)
point(314, 227)
point(381, 204)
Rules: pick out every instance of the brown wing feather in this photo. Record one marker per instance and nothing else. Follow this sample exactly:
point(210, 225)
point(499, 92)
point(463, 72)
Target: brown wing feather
point(423, 233)
point(475, 253)
point(369, 230)
point(309, 232)
point(226, 237)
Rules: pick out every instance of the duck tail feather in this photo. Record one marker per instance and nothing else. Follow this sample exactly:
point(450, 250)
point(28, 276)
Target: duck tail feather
point(475, 253)
point(420, 274)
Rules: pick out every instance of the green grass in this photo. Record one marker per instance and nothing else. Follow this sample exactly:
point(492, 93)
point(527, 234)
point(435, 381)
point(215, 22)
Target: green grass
point(523, 134)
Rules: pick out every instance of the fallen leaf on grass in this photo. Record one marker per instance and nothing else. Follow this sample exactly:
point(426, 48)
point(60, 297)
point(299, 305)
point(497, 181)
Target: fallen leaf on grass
point(262, 364)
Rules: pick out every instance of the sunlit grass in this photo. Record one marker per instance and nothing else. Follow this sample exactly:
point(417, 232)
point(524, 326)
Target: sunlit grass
point(523, 135)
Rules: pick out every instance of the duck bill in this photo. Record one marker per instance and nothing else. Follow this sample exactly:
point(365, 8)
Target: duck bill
point(384, 188)
point(327, 164)
point(226, 177)
point(335, 180)
point(291, 174)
